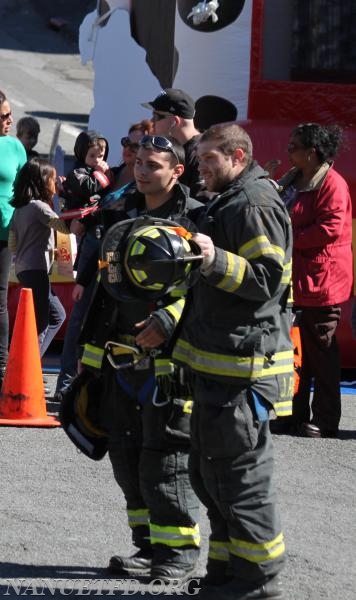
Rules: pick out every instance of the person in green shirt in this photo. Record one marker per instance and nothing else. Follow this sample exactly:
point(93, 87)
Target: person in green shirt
point(12, 158)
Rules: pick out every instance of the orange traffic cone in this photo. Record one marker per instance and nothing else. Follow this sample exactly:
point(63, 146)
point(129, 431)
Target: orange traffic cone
point(22, 399)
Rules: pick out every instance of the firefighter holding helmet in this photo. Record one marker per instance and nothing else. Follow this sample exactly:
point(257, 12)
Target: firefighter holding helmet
point(147, 257)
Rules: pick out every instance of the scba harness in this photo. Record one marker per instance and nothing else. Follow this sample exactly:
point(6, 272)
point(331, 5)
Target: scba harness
point(142, 259)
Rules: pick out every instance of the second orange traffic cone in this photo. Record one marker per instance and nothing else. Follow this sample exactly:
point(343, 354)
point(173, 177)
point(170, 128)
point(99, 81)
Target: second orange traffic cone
point(22, 399)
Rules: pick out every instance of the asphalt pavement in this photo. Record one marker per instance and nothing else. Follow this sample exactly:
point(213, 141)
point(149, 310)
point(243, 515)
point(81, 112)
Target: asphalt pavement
point(62, 515)
point(41, 71)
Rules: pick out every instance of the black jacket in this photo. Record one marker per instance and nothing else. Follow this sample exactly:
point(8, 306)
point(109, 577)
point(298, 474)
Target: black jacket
point(236, 328)
point(110, 319)
point(83, 182)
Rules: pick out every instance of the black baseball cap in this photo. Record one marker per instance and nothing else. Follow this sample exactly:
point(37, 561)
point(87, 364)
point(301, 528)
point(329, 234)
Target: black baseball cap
point(173, 101)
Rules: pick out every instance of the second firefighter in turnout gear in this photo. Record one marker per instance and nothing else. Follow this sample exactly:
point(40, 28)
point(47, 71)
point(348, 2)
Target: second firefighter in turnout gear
point(235, 341)
point(149, 407)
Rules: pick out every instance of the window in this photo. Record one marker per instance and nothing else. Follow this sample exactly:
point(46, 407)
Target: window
point(323, 41)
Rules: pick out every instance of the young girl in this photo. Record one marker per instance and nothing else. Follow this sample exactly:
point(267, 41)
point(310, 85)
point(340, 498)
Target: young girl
point(31, 237)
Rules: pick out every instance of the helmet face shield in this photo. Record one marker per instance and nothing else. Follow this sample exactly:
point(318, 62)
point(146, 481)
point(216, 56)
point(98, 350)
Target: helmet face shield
point(151, 258)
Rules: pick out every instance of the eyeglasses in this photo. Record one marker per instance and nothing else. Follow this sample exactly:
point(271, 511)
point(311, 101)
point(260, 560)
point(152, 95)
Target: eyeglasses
point(159, 142)
point(126, 143)
point(159, 117)
point(6, 116)
point(294, 147)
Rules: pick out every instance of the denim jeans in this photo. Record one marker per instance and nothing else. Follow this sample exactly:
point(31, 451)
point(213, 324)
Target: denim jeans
point(70, 351)
point(5, 265)
point(49, 311)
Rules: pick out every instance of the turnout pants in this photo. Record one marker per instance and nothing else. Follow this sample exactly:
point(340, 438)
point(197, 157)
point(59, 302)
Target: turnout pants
point(151, 467)
point(231, 467)
point(321, 361)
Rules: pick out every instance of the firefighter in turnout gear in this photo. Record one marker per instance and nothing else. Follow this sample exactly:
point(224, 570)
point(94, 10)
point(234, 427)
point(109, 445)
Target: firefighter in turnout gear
point(235, 341)
point(149, 404)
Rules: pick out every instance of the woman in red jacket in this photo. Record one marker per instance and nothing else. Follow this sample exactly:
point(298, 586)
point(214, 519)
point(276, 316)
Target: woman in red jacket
point(319, 203)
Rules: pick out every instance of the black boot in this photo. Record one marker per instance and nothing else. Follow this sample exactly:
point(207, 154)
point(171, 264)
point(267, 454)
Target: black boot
point(216, 573)
point(171, 573)
point(138, 564)
point(173, 564)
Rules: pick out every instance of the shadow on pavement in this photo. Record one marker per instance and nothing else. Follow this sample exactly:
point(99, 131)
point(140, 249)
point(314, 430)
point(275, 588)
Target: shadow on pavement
point(11, 570)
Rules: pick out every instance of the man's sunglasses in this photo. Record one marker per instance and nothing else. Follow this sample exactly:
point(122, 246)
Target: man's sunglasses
point(126, 143)
point(159, 142)
point(6, 116)
point(160, 117)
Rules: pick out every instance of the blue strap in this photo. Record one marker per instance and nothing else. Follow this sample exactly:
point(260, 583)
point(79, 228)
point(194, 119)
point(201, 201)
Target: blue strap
point(261, 406)
point(115, 195)
point(143, 394)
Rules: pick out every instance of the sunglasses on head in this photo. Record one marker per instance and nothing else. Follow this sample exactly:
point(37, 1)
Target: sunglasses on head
point(6, 116)
point(159, 142)
point(126, 143)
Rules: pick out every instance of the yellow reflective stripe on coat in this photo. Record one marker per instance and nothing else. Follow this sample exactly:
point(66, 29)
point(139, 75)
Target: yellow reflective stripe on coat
point(174, 536)
point(235, 271)
point(138, 517)
point(219, 550)
point(163, 366)
point(92, 356)
point(261, 246)
point(176, 309)
point(233, 366)
point(258, 553)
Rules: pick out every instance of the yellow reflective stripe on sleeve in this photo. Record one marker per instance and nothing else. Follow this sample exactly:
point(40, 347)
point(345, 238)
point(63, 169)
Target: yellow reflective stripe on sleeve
point(235, 270)
point(219, 550)
point(176, 309)
point(178, 292)
point(233, 366)
point(287, 273)
point(174, 536)
point(261, 246)
point(92, 356)
point(163, 366)
point(258, 553)
point(138, 517)
point(283, 409)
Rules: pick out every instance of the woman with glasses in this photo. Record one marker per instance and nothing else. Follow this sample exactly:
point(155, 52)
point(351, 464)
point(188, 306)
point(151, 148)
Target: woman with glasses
point(12, 158)
point(129, 143)
point(319, 204)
